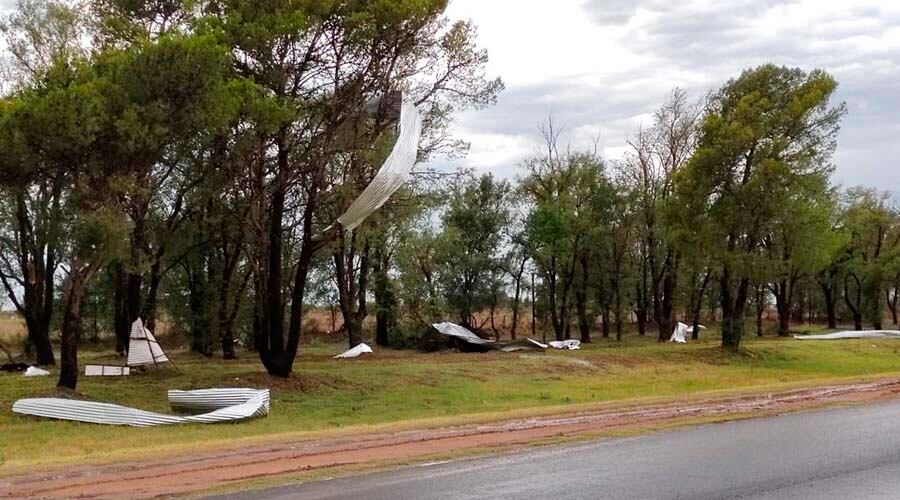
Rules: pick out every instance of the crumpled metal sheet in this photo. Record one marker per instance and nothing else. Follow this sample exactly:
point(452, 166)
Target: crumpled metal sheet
point(217, 405)
point(392, 174)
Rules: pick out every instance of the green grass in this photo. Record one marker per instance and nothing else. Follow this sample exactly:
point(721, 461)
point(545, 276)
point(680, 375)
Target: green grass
point(393, 387)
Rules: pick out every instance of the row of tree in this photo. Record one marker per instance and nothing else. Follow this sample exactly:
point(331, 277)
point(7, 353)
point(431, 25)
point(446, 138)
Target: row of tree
point(206, 148)
point(191, 158)
point(723, 207)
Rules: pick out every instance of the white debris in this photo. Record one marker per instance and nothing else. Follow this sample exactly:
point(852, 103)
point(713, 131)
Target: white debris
point(220, 405)
point(459, 331)
point(34, 371)
point(106, 371)
point(355, 352)
point(572, 344)
point(535, 342)
point(864, 334)
point(143, 348)
point(678, 335)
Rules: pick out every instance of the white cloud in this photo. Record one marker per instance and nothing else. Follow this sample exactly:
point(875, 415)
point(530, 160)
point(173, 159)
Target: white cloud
point(603, 65)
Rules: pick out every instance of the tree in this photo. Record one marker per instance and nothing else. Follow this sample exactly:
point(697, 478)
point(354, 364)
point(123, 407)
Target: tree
point(569, 193)
point(37, 35)
point(477, 212)
point(97, 124)
point(657, 153)
point(764, 136)
point(320, 64)
point(869, 253)
point(798, 244)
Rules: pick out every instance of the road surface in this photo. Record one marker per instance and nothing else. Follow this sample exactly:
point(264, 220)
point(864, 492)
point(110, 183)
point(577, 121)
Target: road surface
point(829, 454)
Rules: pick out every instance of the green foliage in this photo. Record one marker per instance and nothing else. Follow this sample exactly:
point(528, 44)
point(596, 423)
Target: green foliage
point(469, 244)
point(763, 153)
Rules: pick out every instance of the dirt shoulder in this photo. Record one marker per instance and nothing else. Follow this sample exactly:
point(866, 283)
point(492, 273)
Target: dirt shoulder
point(199, 472)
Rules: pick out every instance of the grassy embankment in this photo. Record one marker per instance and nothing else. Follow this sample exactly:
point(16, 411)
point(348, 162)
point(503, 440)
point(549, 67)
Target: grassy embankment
point(393, 389)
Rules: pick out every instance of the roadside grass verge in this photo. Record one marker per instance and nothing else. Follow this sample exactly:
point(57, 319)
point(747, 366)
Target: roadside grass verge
point(391, 389)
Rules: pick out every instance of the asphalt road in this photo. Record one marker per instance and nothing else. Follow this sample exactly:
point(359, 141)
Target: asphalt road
point(831, 454)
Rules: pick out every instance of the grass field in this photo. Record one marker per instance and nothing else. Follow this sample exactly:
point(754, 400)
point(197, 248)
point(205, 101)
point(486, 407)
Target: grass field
point(411, 388)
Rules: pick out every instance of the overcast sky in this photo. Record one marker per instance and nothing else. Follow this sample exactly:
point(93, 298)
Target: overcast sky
point(602, 66)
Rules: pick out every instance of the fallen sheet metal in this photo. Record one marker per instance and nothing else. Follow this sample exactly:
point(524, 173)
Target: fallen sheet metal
point(467, 341)
point(355, 352)
point(106, 371)
point(572, 344)
point(525, 344)
point(220, 405)
point(460, 332)
point(862, 334)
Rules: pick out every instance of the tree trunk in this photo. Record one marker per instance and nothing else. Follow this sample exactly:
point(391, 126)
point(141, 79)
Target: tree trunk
point(149, 312)
point(783, 305)
point(640, 313)
point(73, 296)
point(854, 306)
point(697, 305)
point(733, 303)
point(760, 309)
point(891, 300)
point(39, 334)
point(517, 300)
point(584, 323)
point(830, 309)
point(663, 289)
point(606, 322)
point(385, 298)
point(617, 290)
point(120, 314)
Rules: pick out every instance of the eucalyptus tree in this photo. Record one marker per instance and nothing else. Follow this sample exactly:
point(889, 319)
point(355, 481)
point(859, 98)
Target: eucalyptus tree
point(567, 191)
point(656, 154)
point(470, 241)
point(98, 123)
point(765, 134)
point(37, 34)
point(798, 244)
point(386, 231)
point(418, 268)
point(515, 261)
point(157, 196)
point(870, 253)
point(320, 63)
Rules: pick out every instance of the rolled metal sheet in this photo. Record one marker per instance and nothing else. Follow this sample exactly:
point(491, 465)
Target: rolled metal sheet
point(221, 405)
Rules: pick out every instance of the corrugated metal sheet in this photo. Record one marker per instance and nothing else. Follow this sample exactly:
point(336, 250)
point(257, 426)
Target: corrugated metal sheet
point(221, 405)
point(143, 349)
point(393, 173)
point(459, 331)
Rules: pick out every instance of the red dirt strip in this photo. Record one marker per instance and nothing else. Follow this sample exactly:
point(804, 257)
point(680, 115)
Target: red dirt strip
point(186, 474)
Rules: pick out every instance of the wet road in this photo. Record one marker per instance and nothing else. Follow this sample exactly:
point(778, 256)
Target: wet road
point(828, 454)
